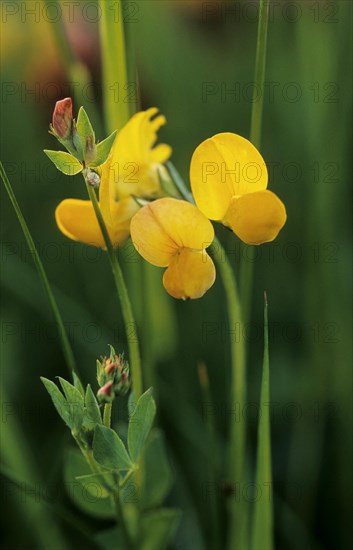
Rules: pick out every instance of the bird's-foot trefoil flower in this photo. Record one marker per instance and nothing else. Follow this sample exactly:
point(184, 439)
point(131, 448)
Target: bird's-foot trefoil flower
point(131, 169)
point(229, 182)
point(174, 234)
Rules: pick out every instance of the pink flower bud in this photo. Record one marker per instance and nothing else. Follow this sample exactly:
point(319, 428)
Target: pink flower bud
point(106, 390)
point(62, 118)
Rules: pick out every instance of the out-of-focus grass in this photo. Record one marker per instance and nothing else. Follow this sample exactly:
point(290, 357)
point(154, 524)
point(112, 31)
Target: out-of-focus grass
point(306, 271)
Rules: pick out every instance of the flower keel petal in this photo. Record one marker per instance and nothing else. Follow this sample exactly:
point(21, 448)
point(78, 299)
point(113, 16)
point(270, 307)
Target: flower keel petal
point(189, 275)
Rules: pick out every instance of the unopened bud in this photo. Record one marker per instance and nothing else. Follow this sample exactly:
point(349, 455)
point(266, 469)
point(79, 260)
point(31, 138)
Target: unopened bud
point(91, 150)
point(62, 118)
point(92, 178)
point(105, 393)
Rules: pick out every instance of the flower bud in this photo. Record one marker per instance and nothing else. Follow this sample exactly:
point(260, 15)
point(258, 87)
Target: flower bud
point(62, 118)
point(105, 393)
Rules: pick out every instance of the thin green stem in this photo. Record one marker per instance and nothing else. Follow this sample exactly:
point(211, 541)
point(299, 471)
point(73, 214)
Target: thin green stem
point(129, 545)
point(107, 415)
point(65, 343)
point(117, 108)
point(236, 460)
point(129, 321)
point(246, 268)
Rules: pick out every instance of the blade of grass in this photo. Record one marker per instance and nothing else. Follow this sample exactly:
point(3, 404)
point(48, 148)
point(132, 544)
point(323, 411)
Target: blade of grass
point(246, 268)
point(117, 108)
point(65, 343)
point(262, 525)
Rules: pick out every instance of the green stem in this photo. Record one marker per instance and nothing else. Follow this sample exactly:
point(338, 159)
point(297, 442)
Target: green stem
point(246, 268)
point(236, 460)
point(129, 321)
point(115, 76)
point(129, 545)
point(107, 415)
point(65, 343)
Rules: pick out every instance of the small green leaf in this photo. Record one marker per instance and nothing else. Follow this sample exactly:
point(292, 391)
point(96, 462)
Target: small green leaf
point(110, 538)
point(78, 384)
point(75, 402)
point(64, 162)
point(88, 494)
point(59, 401)
point(158, 476)
point(158, 528)
point(262, 528)
point(92, 411)
point(109, 450)
point(140, 424)
point(103, 149)
point(85, 130)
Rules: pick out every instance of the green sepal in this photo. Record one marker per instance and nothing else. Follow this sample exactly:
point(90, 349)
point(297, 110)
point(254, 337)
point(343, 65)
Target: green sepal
point(109, 450)
point(92, 411)
point(75, 402)
point(158, 528)
point(103, 149)
point(140, 424)
point(59, 401)
point(66, 163)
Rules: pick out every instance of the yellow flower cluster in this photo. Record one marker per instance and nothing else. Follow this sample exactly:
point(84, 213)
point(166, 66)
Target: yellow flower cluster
point(228, 179)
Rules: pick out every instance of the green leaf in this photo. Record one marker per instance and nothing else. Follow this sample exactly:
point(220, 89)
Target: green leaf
point(78, 384)
point(64, 162)
point(158, 476)
point(140, 424)
point(59, 401)
point(262, 527)
point(88, 494)
point(85, 131)
point(75, 402)
point(110, 538)
point(92, 411)
point(103, 149)
point(158, 528)
point(109, 450)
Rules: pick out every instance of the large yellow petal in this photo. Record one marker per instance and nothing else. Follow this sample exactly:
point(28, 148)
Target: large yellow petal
point(190, 274)
point(76, 219)
point(256, 218)
point(222, 167)
point(161, 227)
point(134, 156)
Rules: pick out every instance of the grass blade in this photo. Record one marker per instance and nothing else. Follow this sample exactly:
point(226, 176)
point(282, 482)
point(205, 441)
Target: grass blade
point(262, 526)
point(65, 343)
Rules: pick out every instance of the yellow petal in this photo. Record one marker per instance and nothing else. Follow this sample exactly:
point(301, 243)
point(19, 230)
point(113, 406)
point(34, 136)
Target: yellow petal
point(76, 219)
point(134, 156)
point(190, 274)
point(256, 218)
point(222, 167)
point(160, 228)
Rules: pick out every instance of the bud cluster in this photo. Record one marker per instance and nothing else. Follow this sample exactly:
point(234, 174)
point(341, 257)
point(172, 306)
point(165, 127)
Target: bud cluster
point(113, 375)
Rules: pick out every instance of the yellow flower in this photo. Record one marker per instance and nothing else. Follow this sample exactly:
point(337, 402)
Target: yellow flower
point(174, 234)
point(131, 169)
point(229, 182)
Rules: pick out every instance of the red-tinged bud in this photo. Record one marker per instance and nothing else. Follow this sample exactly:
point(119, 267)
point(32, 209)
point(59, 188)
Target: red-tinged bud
point(62, 118)
point(110, 368)
point(106, 391)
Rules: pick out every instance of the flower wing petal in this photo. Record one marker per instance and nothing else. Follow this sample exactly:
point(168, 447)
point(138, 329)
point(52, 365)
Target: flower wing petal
point(256, 218)
point(222, 167)
point(189, 275)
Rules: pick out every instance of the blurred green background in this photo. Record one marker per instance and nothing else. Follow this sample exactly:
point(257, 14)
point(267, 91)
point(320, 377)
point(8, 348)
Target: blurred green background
point(195, 62)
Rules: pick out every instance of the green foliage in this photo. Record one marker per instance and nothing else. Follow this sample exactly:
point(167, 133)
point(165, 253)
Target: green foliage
point(262, 528)
point(158, 475)
point(66, 163)
point(75, 402)
point(109, 450)
point(59, 401)
point(158, 527)
point(140, 424)
point(87, 493)
point(92, 411)
point(103, 149)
